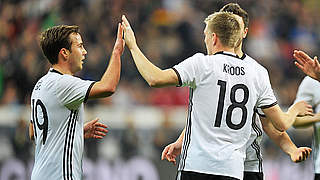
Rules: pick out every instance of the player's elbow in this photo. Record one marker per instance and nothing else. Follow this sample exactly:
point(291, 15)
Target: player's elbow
point(108, 91)
point(154, 83)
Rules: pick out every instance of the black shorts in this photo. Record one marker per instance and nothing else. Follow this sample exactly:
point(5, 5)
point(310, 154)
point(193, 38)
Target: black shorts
point(189, 175)
point(316, 176)
point(252, 175)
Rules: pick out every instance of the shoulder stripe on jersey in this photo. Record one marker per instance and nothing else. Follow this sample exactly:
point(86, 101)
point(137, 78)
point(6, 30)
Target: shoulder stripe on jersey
point(67, 153)
point(179, 77)
point(256, 147)
point(187, 135)
point(88, 92)
point(268, 106)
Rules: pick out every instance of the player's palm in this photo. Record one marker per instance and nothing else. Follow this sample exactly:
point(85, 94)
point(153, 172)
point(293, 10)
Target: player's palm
point(309, 66)
point(119, 44)
point(300, 154)
point(128, 33)
point(94, 129)
point(303, 108)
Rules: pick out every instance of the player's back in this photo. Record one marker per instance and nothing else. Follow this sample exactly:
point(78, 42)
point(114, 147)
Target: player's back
point(57, 116)
point(224, 91)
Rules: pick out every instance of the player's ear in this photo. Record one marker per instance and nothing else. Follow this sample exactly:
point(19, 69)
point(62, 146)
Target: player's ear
point(245, 32)
point(214, 38)
point(65, 53)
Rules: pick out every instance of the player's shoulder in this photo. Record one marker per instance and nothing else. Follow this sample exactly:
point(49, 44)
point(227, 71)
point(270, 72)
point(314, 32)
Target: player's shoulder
point(254, 63)
point(309, 82)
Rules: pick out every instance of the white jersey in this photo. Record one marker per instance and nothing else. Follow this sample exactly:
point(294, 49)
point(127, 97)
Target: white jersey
point(57, 117)
point(309, 92)
point(224, 90)
point(253, 161)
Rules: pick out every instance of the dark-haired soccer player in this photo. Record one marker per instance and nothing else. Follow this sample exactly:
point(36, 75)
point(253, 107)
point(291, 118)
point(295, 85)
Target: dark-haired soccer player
point(57, 103)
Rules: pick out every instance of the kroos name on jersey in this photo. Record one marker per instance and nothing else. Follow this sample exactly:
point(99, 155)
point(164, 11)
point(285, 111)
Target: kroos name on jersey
point(233, 70)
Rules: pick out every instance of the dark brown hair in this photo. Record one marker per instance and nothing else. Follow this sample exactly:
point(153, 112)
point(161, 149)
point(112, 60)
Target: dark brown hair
point(236, 9)
point(54, 39)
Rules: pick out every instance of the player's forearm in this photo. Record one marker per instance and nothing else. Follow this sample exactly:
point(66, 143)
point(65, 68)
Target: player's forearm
point(180, 139)
point(151, 73)
point(306, 121)
point(281, 139)
point(111, 77)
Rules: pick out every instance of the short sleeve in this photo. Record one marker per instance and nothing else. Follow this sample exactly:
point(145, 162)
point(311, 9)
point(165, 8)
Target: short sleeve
point(188, 71)
point(267, 98)
point(306, 90)
point(72, 91)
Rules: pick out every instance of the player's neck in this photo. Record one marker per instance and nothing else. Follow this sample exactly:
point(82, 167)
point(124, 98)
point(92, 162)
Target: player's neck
point(225, 49)
point(62, 69)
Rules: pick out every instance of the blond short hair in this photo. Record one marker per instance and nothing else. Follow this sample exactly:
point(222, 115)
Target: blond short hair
point(226, 26)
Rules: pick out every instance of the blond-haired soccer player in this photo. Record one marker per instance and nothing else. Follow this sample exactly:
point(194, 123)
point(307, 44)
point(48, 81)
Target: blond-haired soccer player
point(57, 103)
point(224, 91)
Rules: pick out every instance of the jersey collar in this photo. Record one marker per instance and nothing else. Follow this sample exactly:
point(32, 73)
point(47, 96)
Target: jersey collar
point(230, 54)
point(55, 71)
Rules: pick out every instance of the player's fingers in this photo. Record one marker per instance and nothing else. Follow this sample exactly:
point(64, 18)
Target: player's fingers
point(299, 65)
point(94, 120)
point(97, 137)
point(100, 133)
point(305, 56)
point(101, 129)
point(299, 58)
point(126, 22)
point(164, 153)
point(101, 125)
point(120, 31)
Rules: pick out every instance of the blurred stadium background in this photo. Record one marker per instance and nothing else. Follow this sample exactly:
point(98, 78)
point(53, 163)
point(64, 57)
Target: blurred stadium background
point(143, 120)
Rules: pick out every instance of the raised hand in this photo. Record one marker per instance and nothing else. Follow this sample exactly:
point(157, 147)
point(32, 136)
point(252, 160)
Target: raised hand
point(309, 66)
point(94, 129)
point(300, 154)
point(303, 108)
point(128, 33)
point(119, 44)
point(171, 151)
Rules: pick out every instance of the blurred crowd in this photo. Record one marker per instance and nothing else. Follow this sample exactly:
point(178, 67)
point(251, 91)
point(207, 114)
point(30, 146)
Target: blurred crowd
point(167, 31)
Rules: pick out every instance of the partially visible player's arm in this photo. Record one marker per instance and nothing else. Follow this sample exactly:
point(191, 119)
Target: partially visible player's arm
point(154, 76)
point(171, 151)
point(306, 121)
point(283, 121)
point(283, 140)
point(109, 81)
point(31, 133)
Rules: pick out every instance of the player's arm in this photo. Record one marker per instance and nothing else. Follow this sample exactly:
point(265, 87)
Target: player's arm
point(309, 66)
point(31, 133)
point(306, 121)
point(154, 76)
point(283, 140)
point(171, 151)
point(283, 120)
point(109, 81)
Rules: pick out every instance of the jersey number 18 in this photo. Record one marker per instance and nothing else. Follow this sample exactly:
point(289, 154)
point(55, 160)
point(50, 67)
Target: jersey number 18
point(234, 104)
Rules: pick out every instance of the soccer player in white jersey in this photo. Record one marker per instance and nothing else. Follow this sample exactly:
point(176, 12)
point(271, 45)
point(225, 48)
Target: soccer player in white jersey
point(224, 91)
point(309, 92)
point(253, 161)
point(309, 66)
point(57, 103)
